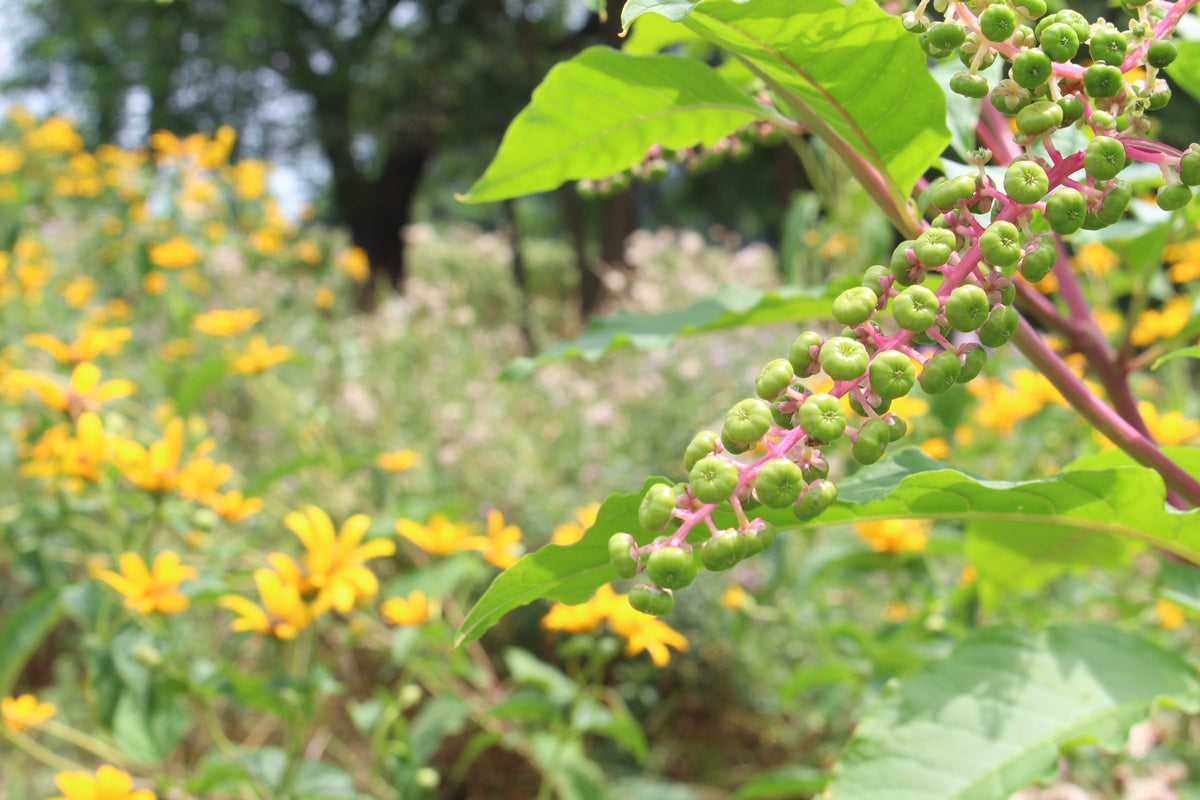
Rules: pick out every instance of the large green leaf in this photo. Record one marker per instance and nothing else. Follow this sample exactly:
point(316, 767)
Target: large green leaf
point(1125, 501)
point(23, 631)
point(1121, 501)
point(848, 71)
point(732, 306)
point(1185, 70)
point(569, 574)
point(992, 717)
point(599, 113)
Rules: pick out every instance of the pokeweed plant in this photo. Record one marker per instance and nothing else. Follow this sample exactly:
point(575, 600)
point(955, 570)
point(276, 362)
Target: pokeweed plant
point(1058, 132)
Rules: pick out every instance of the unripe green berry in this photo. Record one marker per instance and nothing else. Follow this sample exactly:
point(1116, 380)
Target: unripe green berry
point(1000, 244)
point(1065, 211)
point(844, 359)
point(651, 600)
point(759, 539)
point(855, 305)
point(1104, 158)
point(1038, 262)
point(1189, 166)
point(774, 378)
point(622, 553)
point(934, 246)
point(1108, 47)
point(1103, 80)
point(723, 551)
point(874, 435)
point(818, 497)
point(702, 444)
point(713, 479)
point(1161, 53)
point(915, 308)
point(822, 417)
point(1000, 326)
point(779, 483)
point(940, 372)
point(973, 361)
point(970, 85)
point(801, 355)
point(967, 307)
point(1059, 41)
point(892, 374)
point(1031, 68)
point(997, 22)
point(657, 507)
point(1025, 181)
point(671, 567)
point(747, 421)
point(1173, 196)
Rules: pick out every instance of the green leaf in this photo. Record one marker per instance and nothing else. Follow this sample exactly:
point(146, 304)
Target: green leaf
point(563, 761)
point(441, 716)
point(566, 573)
point(1185, 70)
point(1180, 583)
point(199, 379)
point(24, 630)
point(732, 306)
point(527, 668)
point(148, 726)
point(849, 72)
point(1185, 352)
point(674, 10)
point(992, 717)
point(783, 783)
point(599, 113)
point(1021, 558)
point(1127, 501)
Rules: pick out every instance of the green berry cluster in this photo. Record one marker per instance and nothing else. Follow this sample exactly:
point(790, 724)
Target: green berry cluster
point(898, 332)
point(1063, 70)
point(698, 160)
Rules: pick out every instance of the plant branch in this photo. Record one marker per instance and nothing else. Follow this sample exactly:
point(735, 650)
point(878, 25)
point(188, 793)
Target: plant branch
point(1183, 489)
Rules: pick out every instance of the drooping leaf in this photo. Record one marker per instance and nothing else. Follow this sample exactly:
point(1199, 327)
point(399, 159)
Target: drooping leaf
point(599, 113)
point(24, 630)
point(848, 71)
point(992, 717)
point(732, 306)
point(1184, 352)
point(674, 10)
point(569, 574)
point(783, 783)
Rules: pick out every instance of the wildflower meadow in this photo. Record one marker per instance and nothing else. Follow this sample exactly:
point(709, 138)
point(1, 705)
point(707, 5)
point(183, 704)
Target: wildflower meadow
point(923, 527)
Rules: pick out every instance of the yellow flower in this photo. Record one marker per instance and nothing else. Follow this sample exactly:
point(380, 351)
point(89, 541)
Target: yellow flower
point(968, 575)
point(225, 322)
point(200, 478)
point(936, 447)
point(154, 282)
point(1108, 321)
point(1184, 258)
point(55, 135)
point(894, 535)
point(92, 342)
point(1097, 258)
point(335, 561)
point(233, 507)
point(895, 612)
point(572, 532)
point(24, 712)
point(79, 458)
point(11, 158)
point(354, 262)
point(250, 179)
point(398, 461)
point(157, 468)
point(283, 613)
point(412, 610)
point(498, 543)
point(734, 597)
point(1153, 324)
point(260, 357)
point(109, 783)
point(1171, 427)
point(78, 291)
point(176, 349)
point(440, 537)
point(146, 590)
point(307, 251)
point(174, 253)
point(642, 632)
point(1170, 615)
point(84, 391)
point(324, 297)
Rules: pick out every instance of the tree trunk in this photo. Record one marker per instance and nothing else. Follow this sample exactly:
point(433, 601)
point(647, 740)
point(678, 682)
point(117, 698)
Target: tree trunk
point(376, 210)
